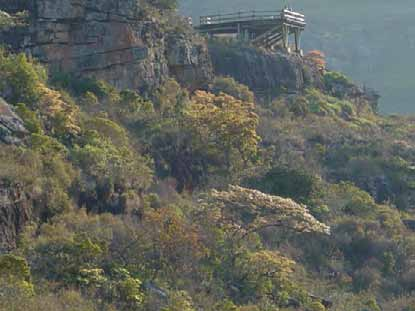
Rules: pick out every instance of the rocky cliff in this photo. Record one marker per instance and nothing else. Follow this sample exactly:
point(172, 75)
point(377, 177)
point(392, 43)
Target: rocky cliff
point(122, 42)
point(15, 209)
point(12, 129)
point(15, 212)
point(266, 73)
point(13, 6)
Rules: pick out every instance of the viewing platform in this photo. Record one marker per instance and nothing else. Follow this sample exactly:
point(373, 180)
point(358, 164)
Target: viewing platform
point(267, 29)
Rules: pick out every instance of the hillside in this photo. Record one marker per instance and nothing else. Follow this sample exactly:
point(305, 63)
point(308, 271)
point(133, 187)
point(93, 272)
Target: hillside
point(371, 41)
point(142, 168)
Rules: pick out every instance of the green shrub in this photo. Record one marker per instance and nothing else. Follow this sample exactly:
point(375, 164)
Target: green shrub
point(15, 271)
point(100, 158)
point(14, 267)
point(336, 83)
point(31, 120)
point(334, 77)
point(372, 305)
point(288, 183)
point(6, 20)
point(299, 106)
point(316, 306)
point(180, 301)
point(229, 86)
point(132, 107)
point(19, 19)
point(80, 86)
point(21, 78)
point(89, 99)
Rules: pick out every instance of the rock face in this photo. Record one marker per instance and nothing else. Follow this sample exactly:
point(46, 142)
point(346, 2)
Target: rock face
point(104, 39)
point(12, 129)
point(114, 40)
point(262, 71)
point(15, 208)
point(189, 61)
point(13, 6)
point(15, 212)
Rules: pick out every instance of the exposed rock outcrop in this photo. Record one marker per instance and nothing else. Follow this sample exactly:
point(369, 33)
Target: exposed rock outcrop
point(189, 61)
point(13, 6)
point(15, 212)
point(118, 41)
point(267, 74)
point(12, 129)
point(15, 208)
point(105, 39)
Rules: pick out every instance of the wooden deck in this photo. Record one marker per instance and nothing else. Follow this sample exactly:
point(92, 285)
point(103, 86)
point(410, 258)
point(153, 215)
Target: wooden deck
point(262, 28)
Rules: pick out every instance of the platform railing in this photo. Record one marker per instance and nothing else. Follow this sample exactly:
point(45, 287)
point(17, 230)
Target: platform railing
point(291, 17)
point(262, 28)
point(239, 16)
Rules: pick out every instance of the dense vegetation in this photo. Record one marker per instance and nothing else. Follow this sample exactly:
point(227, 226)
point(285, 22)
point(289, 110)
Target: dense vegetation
point(206, 201)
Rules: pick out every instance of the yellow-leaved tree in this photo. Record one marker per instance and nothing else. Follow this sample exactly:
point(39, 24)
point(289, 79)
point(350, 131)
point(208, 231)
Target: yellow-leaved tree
point(240, 215)
point(225, 125)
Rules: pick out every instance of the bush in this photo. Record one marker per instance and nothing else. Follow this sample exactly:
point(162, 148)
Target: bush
point(64, 300)
point(334, 77)
point(19, 19)
point(6, 20)
point(15, 272)
point(316, 306)
point(104, 160)
point(132, 107)
point(21, 78)
point(80, 86)
point(31, 120)
point(336, 83)
point(299, 106)
point(288, 183)
point(229, 86)
point(180, 301)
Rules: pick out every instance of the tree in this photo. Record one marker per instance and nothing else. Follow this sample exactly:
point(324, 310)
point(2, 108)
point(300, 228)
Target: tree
point(225, 124)
point(263, 274)
point(239, 217)
point(207, 136)
point(248, 211)
point(229, 86)
point(317, 59)
point(180, 301)
point(288, 183)
point(14, 272)
point(21, 78)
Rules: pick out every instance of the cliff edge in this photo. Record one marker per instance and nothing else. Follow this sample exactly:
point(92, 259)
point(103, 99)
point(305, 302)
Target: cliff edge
point(126, 43)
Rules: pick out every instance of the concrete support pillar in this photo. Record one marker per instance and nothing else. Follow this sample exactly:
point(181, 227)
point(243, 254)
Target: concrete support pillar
point(297, 34)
